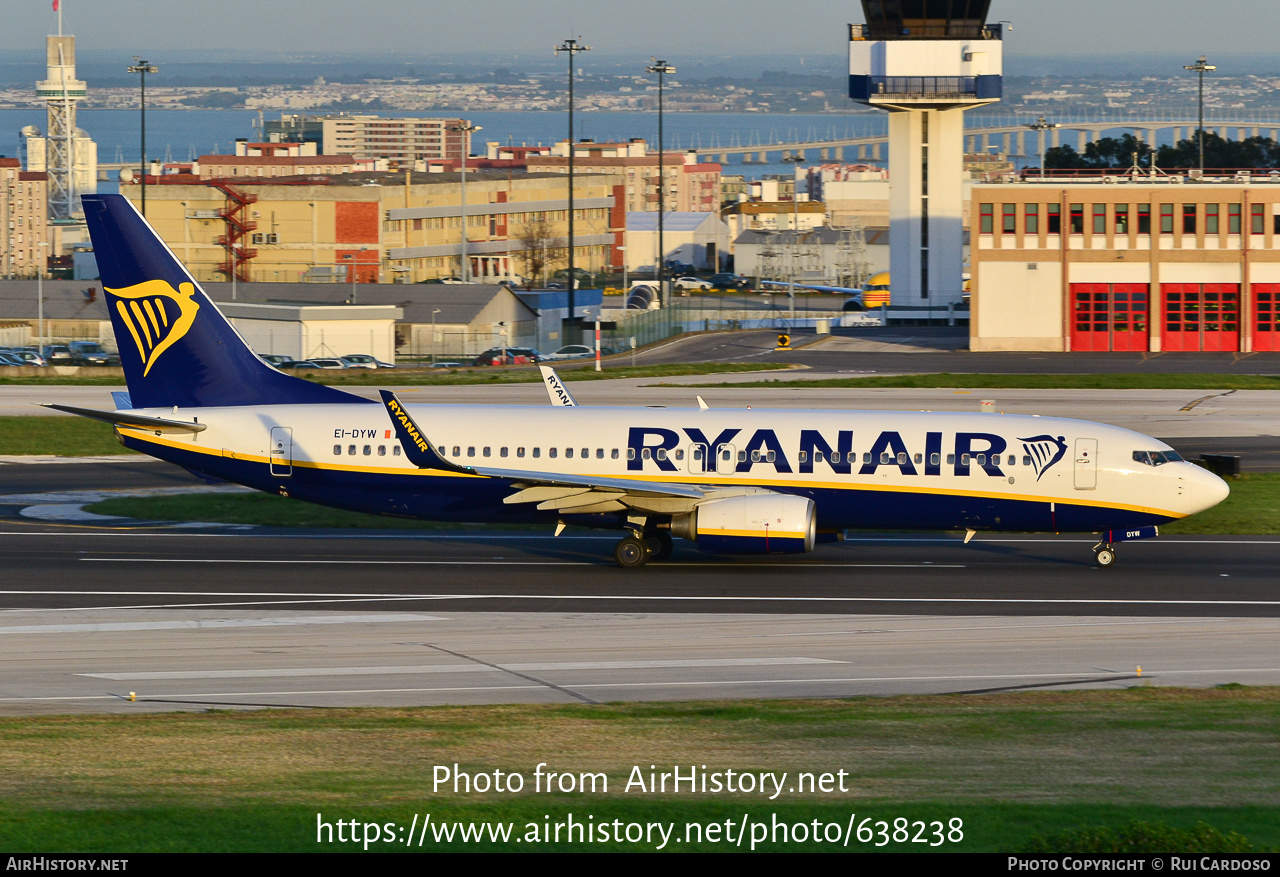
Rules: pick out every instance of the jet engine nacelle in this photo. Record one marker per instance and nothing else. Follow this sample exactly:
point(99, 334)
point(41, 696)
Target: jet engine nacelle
point(757, 524)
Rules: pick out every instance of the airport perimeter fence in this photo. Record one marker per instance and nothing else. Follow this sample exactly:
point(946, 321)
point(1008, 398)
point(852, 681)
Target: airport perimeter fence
point(680, 317)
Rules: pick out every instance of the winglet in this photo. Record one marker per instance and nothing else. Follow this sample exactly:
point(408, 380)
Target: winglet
point(702, 403)
point(559, 393)
point(417, 447)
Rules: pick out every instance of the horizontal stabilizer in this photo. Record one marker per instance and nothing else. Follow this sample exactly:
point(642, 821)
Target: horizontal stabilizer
point(137, 421)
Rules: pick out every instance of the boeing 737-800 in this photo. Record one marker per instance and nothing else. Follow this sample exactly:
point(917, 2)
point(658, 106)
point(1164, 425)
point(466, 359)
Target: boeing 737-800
point(730, 480)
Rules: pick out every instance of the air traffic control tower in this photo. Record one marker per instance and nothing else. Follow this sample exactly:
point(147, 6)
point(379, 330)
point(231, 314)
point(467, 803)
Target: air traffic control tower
point(926, 62)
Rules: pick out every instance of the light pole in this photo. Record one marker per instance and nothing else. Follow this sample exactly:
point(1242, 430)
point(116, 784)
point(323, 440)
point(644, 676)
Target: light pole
point(40, 265)
point(355, 262)
point(433, 335)
point(466, 131)
point(1201, 68)
point(795, 161)
point(142, 68)
point(571, 47)
point(1040, 126)
point(663, 69)
point(235, 268)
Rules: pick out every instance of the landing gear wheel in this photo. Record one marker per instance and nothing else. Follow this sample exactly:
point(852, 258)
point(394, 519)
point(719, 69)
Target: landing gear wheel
point(631, 553)
point(1105, 557)
point(659, 545)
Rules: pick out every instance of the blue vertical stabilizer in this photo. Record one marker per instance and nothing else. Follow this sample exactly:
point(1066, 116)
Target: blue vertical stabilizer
point(176, 347)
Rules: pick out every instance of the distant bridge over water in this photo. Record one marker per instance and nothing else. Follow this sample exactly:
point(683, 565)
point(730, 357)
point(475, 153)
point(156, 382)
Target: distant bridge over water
point(1012, 139)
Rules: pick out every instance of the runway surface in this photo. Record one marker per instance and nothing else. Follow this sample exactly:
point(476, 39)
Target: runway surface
point(190, 619)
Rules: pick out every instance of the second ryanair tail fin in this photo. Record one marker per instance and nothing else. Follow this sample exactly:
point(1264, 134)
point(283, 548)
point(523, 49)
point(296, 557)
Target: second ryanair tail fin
point(175, 346)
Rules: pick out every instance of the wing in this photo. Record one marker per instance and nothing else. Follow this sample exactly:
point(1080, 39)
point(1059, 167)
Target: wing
point(559, 393)
point(570, 494)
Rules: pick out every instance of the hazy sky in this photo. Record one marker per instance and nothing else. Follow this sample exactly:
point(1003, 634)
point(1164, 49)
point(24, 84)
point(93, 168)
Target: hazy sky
point(672, 28)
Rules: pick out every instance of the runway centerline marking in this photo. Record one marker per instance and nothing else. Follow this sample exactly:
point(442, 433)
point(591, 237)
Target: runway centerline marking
point(214, 624)
point(537, 666)
point(651, 598)
point(520, 563)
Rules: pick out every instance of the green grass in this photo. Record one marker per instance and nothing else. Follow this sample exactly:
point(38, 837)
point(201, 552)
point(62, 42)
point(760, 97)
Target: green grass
point(60, 436)
point(578, 370)
point(1252, 509)
point(571, 371)
point(1011, 766)
point(948, 380)
point(264, 509)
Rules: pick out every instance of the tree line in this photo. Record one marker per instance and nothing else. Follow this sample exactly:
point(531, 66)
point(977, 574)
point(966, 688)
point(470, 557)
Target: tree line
point(1118, 153)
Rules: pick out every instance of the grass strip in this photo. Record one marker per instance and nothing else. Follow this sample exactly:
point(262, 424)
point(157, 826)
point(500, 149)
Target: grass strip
point(572, 370)
point(581, 370)
point(60, 436)
point(268, 510)
point(1253, 508)
point(1012, 766)
point(951, 380)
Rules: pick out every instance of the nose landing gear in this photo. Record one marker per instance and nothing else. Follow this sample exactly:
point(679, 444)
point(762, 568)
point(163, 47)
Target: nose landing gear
point(1104, 553)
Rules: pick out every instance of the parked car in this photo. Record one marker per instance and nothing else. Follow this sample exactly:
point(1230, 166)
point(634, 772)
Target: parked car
point(733, 282)
point(364, 360)
point(320, 363)
point(11, 359)
point(279, 361)
point(515, 355)
point(572, 351)
point(684, 284)
point(91, 353)
point(57, 354)
point(30, 357)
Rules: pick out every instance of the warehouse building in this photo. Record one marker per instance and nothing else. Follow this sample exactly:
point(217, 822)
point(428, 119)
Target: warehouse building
point(1164, 264)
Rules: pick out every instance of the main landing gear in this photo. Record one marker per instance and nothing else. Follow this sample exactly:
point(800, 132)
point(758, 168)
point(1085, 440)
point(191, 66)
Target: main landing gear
point(637, 549)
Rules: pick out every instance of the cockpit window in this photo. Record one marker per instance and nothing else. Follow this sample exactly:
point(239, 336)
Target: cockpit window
point(1156, 458)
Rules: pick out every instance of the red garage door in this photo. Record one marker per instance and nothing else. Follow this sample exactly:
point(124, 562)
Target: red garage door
point(1109, 316)
point(1266, 297)
point(1201, 316)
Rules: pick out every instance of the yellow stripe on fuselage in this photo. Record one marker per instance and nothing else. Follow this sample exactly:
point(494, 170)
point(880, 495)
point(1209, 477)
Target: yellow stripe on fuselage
point(775, 483)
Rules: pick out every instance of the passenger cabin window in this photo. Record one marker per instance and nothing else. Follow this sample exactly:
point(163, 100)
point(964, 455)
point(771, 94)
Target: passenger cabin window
point(351, 450)
point(382, 450)
point(502, 452)
point(568, 453)
point(519, 452)
point(614, 453)
point(395, 450)
point(551, 452)
point(537, 452)
point(337, 450)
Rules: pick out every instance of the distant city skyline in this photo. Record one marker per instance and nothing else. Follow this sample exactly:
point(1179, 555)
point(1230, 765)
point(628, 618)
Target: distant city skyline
point(663, 27)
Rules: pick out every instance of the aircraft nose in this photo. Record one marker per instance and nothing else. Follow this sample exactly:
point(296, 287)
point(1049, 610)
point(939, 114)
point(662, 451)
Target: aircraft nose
point(1203, 490)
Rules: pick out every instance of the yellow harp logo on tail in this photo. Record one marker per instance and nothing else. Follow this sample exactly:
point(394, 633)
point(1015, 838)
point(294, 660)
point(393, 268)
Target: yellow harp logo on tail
point(156, 315)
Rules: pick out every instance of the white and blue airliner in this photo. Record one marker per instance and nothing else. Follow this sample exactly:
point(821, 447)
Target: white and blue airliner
point(729, 480)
